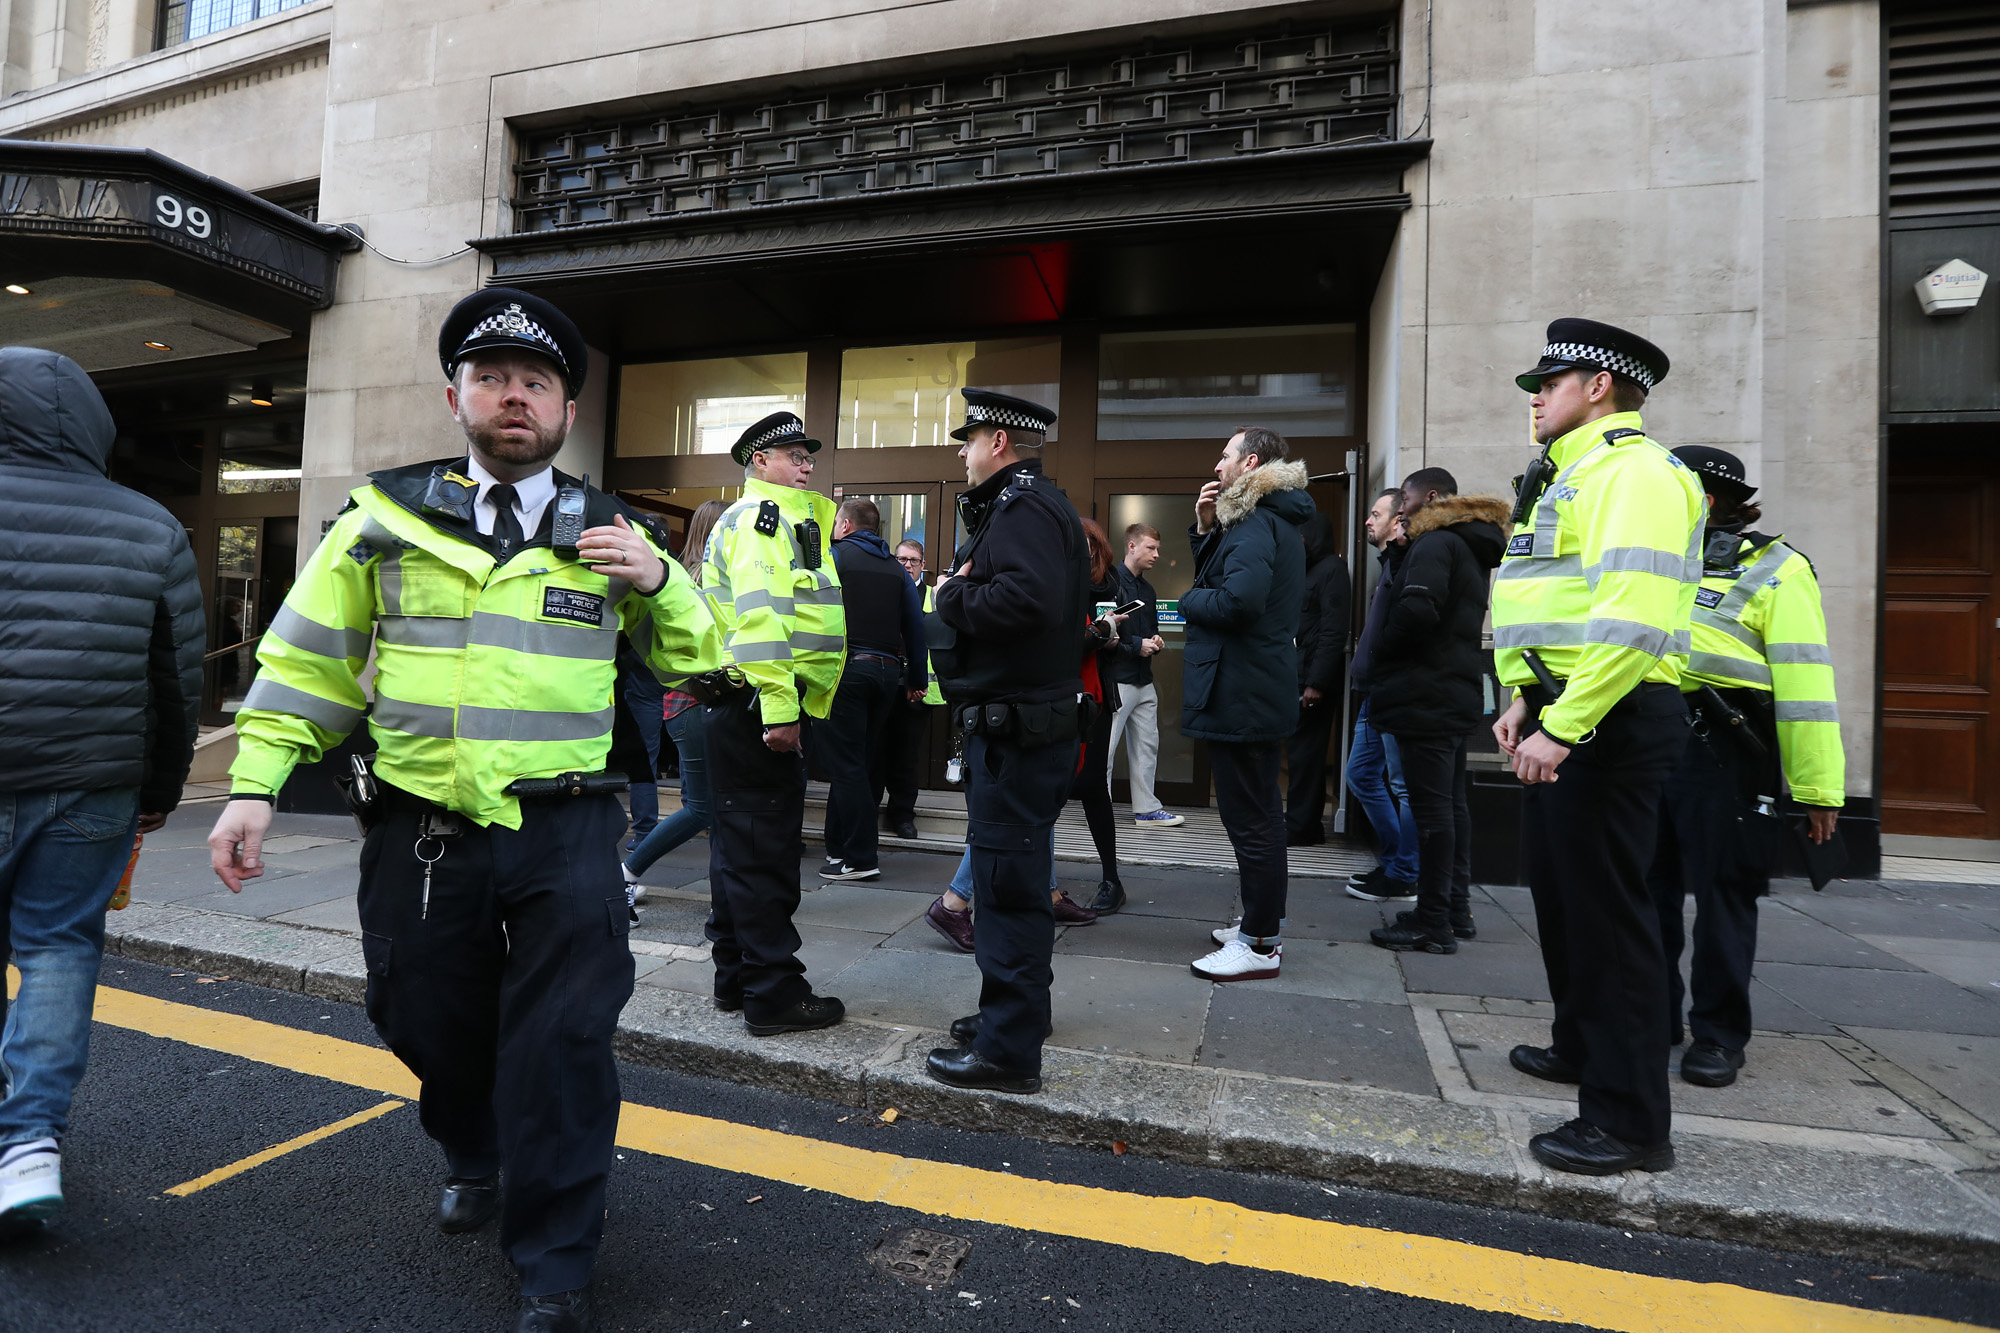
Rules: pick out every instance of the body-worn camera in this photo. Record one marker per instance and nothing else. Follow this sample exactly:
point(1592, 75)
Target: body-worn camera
point(450, 494)
point(567, 529)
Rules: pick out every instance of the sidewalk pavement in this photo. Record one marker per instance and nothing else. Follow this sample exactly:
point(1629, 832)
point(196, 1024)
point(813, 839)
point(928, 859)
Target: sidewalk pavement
point(1867, 1121)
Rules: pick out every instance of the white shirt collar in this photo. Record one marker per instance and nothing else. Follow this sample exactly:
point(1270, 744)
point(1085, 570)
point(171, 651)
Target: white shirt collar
point(531, 496)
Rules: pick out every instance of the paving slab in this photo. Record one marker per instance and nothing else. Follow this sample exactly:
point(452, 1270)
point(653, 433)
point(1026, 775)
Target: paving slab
point(858, 907)
point(1112, 1004)
point(341, 914)
point(689, 861)
point(1329, 918)
point(287, 843)
point(686, 1032)
point(690, 978)
point(1883, 913)
point(1773, 1012)
point(1963, 1068)
point(827, 950)
point(1337, 970)
point(1974, 964)
point(1167, 940)
point(1916, 1001)
point(672, 920)
point(911, 989)
point(262, 953)
point(1191, 897)
point(1785, 935)
point(1311, 1037)
point(922, 937)
point(1479, 968)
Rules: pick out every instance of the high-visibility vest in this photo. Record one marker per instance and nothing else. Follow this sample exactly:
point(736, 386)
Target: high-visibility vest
point(933, 692)
point(1759, 625)
point(1599, 579)
point(484, 672)
point(781, 618)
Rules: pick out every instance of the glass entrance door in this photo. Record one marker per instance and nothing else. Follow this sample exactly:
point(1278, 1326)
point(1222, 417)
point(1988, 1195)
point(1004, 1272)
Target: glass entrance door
point(1183, 772)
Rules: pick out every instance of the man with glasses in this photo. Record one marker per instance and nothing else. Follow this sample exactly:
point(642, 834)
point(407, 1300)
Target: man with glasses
point(908, 721)
point(771, 583)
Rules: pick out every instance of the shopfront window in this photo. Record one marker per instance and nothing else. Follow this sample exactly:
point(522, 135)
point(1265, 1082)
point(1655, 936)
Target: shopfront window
point(897, 397)
point(1171, 577)
point(701, 407)
point(1207, 383)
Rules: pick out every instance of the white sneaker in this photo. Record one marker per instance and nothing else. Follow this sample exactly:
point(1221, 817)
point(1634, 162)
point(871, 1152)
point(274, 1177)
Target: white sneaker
point(1237, 961)
point(635, 892)
point(30, 1183)
point(1224, 934)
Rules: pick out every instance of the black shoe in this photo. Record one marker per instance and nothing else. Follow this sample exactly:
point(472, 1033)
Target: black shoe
point(468, 1204)
point(1542, 1062)
point(1412, 938)
point(1110, 897)
point(902, 828)
point(1707, 1065)
point(1362, 879)
point(964, 1067)
point(965, 1030)
point(1383, 890)
point(1304, 837)
point(1461, 923)
point(808, 1015)
point(558, 1312)
point(1585, 1150)
point(729, 1004)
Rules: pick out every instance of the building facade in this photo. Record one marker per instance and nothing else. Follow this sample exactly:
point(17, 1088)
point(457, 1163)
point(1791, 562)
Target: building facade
point(1349, 220)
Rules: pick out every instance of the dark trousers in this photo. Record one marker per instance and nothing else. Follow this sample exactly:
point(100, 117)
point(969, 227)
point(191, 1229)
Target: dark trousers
point(1012, 798)
point(757, 802)
point(503, 1000)
point(899, 759)
point(850, 746)
point(1587, 841)
point(1305, 763)
point(1703, 848)
point(645, 699)
point(1247, 798)
point(1092, 789)
point(1434, 774)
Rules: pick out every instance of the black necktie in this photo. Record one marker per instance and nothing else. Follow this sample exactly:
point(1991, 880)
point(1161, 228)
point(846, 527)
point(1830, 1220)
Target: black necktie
point(506, 527)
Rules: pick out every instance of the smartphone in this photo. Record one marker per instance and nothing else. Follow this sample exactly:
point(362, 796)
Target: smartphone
point(1128, 608)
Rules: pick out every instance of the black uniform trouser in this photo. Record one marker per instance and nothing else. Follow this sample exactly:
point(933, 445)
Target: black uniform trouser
point(1587, 842)
point(503, 1001)
point(900, 756)
point(1705, 847)
point(850, 751)
point(1012, 798)
point(1305, 764)
point(1434, 776)
point(758, 800)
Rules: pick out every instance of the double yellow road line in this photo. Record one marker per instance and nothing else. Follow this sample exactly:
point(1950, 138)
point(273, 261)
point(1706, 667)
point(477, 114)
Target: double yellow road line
point(1205, 1231)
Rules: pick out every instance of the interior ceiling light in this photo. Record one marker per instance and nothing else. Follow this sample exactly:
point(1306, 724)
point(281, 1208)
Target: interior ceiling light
point(158, 347)
point(18, 289)
point(260, 393)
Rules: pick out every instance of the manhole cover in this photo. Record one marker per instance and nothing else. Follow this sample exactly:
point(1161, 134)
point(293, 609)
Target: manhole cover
point(927, 1258)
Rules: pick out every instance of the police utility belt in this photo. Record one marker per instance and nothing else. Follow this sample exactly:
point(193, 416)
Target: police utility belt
point(369, 799)
point(1028, 725)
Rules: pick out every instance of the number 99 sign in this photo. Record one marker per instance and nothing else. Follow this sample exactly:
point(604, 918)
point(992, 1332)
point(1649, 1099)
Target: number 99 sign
point(175, 215)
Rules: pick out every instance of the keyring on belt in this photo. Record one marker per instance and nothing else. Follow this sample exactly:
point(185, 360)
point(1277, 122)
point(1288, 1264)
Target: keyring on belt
point(428, 861)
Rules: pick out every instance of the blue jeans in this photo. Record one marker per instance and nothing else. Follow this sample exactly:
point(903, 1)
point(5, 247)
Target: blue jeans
point(644, 697)
point(961, 879)
point(1375, 776)
point(61, 855)
point(690, 735)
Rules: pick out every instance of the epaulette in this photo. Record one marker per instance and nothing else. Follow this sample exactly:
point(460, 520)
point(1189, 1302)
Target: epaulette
point(768, 518)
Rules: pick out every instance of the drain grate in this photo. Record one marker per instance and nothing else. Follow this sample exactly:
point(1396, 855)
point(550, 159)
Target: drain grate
point(926, 1258)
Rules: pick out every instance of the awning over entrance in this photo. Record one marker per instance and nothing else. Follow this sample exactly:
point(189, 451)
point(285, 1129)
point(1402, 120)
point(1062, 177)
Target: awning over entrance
point(121, 257)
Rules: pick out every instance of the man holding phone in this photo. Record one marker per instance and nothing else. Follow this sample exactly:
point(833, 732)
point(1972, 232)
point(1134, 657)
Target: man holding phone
point(1139, 641)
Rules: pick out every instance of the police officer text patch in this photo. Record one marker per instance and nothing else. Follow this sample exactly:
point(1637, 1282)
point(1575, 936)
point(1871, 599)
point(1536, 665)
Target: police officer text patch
point(1521, 544)
point(1708, 597)
point(584, 608)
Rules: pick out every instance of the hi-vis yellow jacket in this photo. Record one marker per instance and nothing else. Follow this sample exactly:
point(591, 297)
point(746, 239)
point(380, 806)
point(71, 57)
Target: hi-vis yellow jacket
point(782, 623)
point(485, 672)
point(1759, 625)
point(1600, 578)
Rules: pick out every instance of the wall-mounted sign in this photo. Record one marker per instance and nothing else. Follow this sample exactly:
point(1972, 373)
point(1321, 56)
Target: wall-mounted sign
point(1950, 289)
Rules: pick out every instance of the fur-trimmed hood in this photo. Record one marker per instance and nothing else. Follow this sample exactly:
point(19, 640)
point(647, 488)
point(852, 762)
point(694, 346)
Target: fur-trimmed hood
point(1481, 520)
point(1282, 486)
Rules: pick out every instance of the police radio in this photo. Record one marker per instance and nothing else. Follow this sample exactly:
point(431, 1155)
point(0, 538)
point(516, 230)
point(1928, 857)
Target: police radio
point(567, 529)
point(450, 494)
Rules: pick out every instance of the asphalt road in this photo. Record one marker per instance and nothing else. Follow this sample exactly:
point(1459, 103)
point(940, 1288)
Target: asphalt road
point(336, 1234)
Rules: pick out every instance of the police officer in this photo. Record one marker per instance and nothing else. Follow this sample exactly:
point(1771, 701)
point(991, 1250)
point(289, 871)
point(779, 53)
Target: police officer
point(1760, 688)
point(1590, 625)
point(494, 590)
point(1007, 642)
point(771, 583)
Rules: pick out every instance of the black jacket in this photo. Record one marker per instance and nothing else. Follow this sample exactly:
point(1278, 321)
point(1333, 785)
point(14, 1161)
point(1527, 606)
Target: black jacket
point(1243, 611)
point(1425, 664)
point(1323, 614)
point(101, 627)
point(882, 616)
point(1130, 666)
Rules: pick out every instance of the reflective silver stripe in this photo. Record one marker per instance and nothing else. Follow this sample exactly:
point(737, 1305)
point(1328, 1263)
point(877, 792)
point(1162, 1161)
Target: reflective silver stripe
point(756, 599)
point(390, 572)
point(414, 719)
point(1801, 710)
point(1640, 560)
point(1798, 654)
point(1752, 579)
point(822, 643)
point(1539, 634)
point(492, 630)
point(1730, 668)
point(508, 724)
point(825, 593)
point(1648, 639)
point(1546, 518)
point(337, 641)
point(641, 635)
point(425, 631)
point(760, 652)
point(270, 696)
point(617, 591)
point(1743, 634)
point(1561, 567)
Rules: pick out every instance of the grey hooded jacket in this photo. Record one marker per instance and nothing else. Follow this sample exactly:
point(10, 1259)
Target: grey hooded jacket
point(101, 627)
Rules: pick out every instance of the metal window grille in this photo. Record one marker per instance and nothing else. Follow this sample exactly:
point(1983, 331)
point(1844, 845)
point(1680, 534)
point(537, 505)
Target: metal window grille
point(184, 20)
point(1944, 110)
point(1205, 98)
